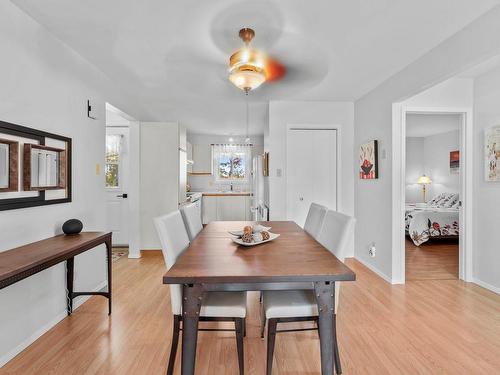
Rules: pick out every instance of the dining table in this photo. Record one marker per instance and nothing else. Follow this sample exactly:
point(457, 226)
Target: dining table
point(293, 261)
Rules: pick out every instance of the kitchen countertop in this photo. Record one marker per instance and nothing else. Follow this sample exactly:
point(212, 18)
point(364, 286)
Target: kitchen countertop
point(225, 193)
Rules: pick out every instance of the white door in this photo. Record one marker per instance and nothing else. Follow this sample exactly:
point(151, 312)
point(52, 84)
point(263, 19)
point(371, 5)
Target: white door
point(116, 174)
point(311, 171)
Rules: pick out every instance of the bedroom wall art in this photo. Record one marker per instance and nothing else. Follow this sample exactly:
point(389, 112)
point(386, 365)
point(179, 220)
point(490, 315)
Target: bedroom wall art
point(454, 162)
point(492, 153)
point(368, 160)
point(35, 167)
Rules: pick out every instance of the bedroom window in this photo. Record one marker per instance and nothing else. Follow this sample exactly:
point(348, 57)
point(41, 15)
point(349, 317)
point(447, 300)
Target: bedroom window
point(231, 162)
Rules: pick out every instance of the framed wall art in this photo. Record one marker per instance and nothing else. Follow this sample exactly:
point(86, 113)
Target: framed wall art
point(492, 154)
point(368, 160)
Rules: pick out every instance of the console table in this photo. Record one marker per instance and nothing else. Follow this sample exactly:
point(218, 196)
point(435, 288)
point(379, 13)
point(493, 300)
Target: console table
point(24, 261)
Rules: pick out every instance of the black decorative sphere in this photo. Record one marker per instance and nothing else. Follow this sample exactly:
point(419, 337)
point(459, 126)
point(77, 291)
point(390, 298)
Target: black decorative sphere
point(72, 226)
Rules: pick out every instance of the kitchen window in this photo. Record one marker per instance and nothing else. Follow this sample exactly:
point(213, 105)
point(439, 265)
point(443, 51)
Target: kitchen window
point(231, 162)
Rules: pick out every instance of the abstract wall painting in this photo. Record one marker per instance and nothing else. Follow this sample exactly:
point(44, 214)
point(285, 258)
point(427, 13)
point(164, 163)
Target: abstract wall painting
point(454, 162)
point(492, 153)
point(368, 160)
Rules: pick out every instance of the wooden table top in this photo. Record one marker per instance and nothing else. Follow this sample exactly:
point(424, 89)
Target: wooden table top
point(293, 257)
point(50, 250)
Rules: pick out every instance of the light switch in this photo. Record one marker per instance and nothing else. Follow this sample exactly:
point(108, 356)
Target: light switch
point(98, 169)
point(278, 172)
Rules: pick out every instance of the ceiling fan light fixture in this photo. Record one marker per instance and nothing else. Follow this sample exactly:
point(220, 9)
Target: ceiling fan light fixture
point(246, 66)
point(247, 79)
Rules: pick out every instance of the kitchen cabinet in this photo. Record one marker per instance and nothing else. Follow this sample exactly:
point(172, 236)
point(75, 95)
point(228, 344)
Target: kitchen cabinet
point(189, 150)
point(209, 209)
point(226, 208)
point(231, 208)
point(202, 158)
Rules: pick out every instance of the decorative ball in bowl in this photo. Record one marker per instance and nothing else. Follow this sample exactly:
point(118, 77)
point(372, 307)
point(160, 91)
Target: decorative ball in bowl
point(72, 226)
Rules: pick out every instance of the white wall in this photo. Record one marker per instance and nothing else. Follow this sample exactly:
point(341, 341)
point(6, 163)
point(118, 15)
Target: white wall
point(431, 156)
point(414, 168)
point(374, 117)
point(45, 85)
point(159, 182)
point(486, 194)
point(437, 163)
point(284, 113)
point(207, 183)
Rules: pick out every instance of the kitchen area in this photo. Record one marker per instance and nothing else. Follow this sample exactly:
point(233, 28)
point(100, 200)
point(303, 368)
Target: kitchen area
point(224, 177)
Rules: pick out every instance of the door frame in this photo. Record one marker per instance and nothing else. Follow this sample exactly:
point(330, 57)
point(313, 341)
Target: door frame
point(399, 184)
point(301, 126)
point(134, 246)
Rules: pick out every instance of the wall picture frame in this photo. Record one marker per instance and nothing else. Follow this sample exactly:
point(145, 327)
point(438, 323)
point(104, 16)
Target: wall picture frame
point(454, 162)
point(492, 154)
point(368, 160)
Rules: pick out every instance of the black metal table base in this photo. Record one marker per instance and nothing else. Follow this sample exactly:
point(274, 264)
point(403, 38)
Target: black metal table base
point(70, 272)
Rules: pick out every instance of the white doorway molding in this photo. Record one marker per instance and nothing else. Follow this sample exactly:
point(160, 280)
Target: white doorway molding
point(399, 112)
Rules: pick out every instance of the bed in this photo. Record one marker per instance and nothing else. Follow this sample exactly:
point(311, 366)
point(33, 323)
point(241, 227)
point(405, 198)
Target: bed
point(439, 218)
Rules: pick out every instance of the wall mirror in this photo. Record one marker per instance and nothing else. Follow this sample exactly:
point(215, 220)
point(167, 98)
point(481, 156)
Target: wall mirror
point(35, 167)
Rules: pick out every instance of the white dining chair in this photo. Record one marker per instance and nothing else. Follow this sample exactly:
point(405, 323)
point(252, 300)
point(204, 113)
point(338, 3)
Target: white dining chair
point(216, 306)
point(299, 306)
point(192, 220)
point(314, 219)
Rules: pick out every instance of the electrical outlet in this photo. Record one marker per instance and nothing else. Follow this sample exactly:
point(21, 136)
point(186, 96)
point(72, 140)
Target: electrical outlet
point(372, 250)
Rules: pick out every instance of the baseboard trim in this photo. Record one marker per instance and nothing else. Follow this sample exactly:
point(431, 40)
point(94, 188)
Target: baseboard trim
point(375, 270)
point(490, 287)
point(44, 329)
point(134, 256)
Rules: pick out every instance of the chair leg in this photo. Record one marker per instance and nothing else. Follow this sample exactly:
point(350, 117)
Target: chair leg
point(338, 367)
point(262, 321)
point(244, 327)
point(175, 343)
point(271, 339)
point(239, 324)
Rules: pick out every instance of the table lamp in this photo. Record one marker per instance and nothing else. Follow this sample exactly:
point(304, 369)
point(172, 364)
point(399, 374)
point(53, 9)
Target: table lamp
point(424, 180)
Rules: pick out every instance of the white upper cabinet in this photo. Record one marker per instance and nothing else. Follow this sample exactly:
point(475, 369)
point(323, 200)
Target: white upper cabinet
point(202, 158)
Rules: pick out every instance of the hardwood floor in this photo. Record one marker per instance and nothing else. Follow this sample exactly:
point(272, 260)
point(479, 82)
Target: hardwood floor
point(433, 260)
point(423, 327)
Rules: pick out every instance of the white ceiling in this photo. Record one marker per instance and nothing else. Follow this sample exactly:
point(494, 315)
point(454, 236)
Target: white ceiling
point(424, 125)
point(172, 54)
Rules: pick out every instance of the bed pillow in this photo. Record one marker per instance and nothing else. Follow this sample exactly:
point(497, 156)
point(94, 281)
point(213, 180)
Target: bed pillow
point(435, 201)
point(450, 201)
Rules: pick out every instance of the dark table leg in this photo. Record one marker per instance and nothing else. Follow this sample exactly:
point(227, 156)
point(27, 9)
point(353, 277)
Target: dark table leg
point(110, 263)
point(70, 270)
point(192, 295)
point(325, 297)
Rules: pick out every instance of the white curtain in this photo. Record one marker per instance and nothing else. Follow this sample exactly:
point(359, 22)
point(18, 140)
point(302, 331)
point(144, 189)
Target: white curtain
point(232, 162)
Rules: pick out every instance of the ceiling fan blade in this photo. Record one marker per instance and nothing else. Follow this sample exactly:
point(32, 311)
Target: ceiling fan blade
point(274, 70)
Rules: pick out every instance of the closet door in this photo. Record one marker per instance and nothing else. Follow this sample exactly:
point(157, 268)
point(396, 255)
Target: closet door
point(311, 171)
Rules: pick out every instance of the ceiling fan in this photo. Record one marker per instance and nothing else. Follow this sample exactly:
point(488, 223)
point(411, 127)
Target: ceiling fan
point(249, 68)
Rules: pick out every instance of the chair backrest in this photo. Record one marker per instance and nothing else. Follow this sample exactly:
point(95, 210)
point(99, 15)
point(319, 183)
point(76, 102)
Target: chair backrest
point(192, 220)
point(334, 235)
point(314, 219)
point(174, 240)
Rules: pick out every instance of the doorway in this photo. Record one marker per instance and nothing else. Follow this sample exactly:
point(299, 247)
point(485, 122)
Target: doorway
point(118, 180)
point(312, 156)
point(432, 195)
point(463, 160)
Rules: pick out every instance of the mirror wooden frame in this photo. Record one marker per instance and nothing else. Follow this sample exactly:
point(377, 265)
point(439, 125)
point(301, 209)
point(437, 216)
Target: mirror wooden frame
point(13, 165)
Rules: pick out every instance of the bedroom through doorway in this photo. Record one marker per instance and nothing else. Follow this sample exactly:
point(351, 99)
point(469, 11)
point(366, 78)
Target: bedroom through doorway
point(433, 149)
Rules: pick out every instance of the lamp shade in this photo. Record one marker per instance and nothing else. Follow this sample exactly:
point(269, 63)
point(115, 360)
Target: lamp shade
point(424, 180)
point(247, 79)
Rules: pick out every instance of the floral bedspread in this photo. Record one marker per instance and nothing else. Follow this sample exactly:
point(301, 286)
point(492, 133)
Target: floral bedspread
point(422, 224)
